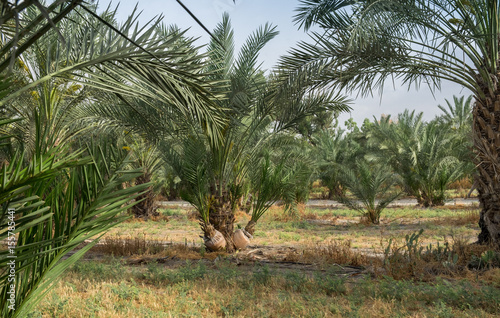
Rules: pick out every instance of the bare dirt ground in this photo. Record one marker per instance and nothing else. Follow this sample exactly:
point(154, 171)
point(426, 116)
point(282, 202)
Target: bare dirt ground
point(335, 204)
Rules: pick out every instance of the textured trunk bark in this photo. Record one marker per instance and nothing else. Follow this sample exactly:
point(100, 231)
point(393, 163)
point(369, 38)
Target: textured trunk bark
point(486, 124)
point(335, 191)
point(146, 208)
point(221, 216)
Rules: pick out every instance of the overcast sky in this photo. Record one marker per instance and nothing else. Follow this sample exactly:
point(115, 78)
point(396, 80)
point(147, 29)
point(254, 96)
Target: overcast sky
point(247, 15)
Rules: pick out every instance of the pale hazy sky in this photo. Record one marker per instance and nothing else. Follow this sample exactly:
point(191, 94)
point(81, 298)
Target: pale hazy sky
point(247, 15)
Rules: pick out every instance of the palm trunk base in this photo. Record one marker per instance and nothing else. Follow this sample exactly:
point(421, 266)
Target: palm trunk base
point(484, 236)
point(489, 222)
point(221, 217)
point(147, 207)
point(250, 228)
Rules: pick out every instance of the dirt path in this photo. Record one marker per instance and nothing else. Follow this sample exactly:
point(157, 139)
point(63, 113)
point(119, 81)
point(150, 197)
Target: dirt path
point(334, 204)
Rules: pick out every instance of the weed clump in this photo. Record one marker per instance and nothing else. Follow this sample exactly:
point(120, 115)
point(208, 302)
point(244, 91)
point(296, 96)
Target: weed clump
point(409, 259)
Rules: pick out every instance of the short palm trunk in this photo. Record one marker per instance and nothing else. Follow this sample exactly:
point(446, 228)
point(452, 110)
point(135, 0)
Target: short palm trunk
point(241, 239)
point(214, 240)
point(146, 208)
point(221, 217)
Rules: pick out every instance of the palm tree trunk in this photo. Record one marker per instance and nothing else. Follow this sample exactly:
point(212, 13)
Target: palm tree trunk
point(221, 216)
point(147, 207)
point(486, 124)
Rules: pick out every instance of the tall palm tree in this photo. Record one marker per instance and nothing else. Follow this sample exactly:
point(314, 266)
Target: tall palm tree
point(368, 42)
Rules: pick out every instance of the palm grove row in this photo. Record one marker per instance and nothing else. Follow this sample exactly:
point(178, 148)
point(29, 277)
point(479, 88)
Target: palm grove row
point(97, 115)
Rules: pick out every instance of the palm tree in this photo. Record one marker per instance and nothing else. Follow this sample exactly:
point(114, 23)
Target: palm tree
point(259, 112)
point(58, 201)
point(129, 63)
point(148, 159)
point(18, 34)
point(422, 41)
point(421, 153)
point(371, 185)
point(62, 106)
point(458, 115)
point(332, 149)
point(457, 118)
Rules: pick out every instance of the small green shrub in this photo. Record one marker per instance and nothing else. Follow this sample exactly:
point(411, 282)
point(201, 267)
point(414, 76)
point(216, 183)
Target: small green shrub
point(331, 284)
point(97, 271)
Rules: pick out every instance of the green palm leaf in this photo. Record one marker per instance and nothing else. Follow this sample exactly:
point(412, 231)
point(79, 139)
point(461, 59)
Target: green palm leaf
point(79, 204)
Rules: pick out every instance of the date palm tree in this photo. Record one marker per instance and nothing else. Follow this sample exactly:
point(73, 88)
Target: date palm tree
point(333, 148)
point(367, 42)
point(61, 106)
point(458, 114)
point(259, 111)
point(421, 153)
point(457, 118)
point(59, 200)
point(371, 185)
point(130, 63)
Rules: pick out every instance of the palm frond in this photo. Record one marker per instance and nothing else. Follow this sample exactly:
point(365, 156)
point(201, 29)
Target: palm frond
point(415, 41)
point(84, 201)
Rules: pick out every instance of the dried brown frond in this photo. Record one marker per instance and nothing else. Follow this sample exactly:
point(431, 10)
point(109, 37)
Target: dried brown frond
point(462, 184)
point(193, 215)
point(119, 246)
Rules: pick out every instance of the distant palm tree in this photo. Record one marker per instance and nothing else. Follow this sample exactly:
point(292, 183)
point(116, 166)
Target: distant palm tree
point(366, 42)
point(149, 161)
point(371, 185)
point(459, 114)
point(458, 117)
point(421, 153)
point(332, 149)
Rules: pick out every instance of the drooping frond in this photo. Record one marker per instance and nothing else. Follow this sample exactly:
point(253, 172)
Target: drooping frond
point(366, 43)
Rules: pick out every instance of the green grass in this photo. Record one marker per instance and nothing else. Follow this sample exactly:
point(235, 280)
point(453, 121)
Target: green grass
point(110, 289)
